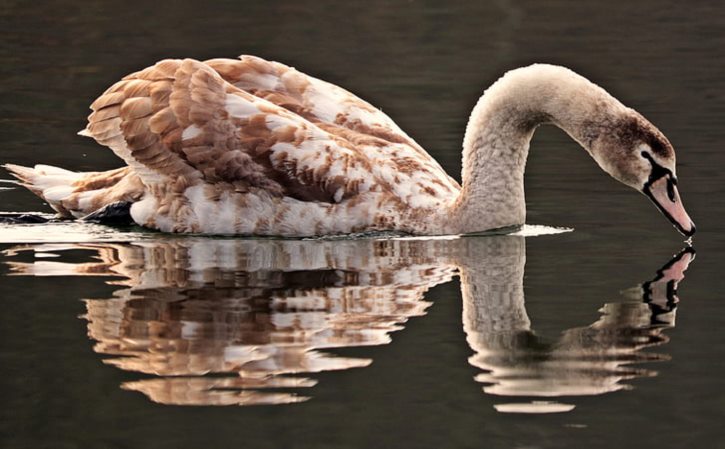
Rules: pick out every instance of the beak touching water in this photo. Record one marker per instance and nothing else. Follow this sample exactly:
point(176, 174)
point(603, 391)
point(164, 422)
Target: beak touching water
point(663, 192)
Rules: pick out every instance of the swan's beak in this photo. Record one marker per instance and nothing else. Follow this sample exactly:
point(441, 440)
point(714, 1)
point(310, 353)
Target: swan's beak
point(663, 192)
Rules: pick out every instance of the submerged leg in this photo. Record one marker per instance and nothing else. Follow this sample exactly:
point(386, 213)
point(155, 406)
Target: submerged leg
point(118, 213)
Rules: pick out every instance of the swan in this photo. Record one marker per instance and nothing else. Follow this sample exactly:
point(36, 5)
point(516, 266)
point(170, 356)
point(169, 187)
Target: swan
point(250, 146)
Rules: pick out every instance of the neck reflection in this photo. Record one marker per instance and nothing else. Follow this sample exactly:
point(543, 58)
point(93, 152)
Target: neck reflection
point(589, 360)
point(224, 322)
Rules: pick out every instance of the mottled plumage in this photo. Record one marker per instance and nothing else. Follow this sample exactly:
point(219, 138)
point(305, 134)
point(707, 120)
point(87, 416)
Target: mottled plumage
point(254, 147)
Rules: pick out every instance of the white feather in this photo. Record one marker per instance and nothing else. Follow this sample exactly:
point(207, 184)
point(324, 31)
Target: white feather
point(238, 107)
point(190, 132)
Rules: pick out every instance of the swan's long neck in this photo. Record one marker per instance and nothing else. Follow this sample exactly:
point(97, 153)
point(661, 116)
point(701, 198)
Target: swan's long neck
point(497, 138)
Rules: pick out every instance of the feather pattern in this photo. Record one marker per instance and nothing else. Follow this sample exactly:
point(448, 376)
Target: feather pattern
point(250, 146)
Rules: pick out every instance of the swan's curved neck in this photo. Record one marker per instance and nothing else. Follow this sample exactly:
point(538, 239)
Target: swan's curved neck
point(497, 138)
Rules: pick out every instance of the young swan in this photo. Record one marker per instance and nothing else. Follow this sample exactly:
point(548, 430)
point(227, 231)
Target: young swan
point(623, 143)
point(251, 146)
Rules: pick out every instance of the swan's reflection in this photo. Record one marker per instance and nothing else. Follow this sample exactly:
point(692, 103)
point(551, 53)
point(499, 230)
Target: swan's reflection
point(220, 322)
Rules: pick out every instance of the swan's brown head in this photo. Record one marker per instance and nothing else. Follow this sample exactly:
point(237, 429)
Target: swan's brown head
point(636, 153)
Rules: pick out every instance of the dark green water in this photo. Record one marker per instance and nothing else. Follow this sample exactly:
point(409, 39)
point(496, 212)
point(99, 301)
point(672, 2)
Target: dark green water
point(100, 341)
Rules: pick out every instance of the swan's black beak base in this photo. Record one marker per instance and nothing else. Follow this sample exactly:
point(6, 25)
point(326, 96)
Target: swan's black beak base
point(661, 188)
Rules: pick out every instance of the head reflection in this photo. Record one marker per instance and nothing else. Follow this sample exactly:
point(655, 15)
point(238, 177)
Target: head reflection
point(223, 322)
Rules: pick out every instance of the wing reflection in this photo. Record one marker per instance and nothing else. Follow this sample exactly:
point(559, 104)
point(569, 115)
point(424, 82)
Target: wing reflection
point(222, 322)
point(261, 309)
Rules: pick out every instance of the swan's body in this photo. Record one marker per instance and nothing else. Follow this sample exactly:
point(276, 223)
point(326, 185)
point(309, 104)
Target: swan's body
point(250, 146)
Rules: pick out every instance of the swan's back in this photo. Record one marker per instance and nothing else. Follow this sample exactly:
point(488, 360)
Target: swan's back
point(252, 146)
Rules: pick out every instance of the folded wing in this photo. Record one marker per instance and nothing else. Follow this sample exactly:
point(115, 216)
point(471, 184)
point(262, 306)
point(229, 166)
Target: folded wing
point(255, 125)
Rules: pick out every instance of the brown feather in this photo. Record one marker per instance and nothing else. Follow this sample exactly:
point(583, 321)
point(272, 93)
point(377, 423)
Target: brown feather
point(255, 127)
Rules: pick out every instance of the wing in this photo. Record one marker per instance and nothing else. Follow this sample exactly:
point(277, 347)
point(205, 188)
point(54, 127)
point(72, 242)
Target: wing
point(319, 102)
point(179, 123)
point(333, 109)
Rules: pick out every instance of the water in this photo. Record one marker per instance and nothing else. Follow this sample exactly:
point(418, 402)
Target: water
point(128, 338)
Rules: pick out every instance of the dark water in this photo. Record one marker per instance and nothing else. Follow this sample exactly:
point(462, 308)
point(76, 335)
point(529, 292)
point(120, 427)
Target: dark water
point(373, 342)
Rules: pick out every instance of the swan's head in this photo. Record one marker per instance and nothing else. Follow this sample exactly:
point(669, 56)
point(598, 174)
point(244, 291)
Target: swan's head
point(636, 153)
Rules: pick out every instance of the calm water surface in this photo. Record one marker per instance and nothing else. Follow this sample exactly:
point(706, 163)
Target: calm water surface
point(607, 336)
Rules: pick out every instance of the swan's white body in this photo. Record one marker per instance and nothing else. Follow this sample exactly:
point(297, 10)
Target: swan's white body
point(251, 146)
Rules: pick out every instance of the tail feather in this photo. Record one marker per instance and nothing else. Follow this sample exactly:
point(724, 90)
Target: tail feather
point(31, 178)
point(22, 173)
point(76, 194)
